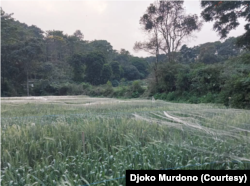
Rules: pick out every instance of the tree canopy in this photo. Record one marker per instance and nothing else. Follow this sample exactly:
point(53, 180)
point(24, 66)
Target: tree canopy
point(169, 25)
point(226, 15)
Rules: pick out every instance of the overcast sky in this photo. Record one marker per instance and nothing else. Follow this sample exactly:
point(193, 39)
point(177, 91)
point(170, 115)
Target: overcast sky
point(114, 21)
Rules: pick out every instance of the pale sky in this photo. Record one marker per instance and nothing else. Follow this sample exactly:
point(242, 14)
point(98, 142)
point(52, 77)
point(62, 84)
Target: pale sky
point(116, 21)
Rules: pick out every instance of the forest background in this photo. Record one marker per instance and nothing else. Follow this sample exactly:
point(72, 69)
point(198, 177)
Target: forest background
point(38, 63)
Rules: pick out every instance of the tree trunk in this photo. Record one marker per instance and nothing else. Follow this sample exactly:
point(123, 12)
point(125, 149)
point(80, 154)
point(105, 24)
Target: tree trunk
point(3, 75)
point(155, 69)
point(157, 59)
point(27, 83)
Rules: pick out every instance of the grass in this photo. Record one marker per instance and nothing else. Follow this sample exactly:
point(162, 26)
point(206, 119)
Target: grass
point(42, 139)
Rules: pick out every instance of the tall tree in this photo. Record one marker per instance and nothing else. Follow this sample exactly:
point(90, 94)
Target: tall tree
point(229, 48)
point(77, 62)
point(123, 57)
point(141, 66)
point(171, 23)
point(94, 65)
point(226, 15)
point(208, 53)
point(150, 24)
point(116, 74)
point(167, 26)
point(27, 55)
point(102, 46)
point(8, 40)
point(78, 34)
point(8, 29)
point(106, 73)
point(55, 45)
point(187, 55)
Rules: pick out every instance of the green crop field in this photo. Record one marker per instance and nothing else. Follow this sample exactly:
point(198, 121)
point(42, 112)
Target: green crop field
point(78, 140)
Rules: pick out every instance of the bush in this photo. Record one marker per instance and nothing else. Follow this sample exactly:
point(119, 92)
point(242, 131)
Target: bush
point(75, 89)
point(171, 96)
point(135, 95)
point(108, 89)
point(136, 87)
point(7, 89)
point(115, 83)
point(134, 90)
point(96, 91)
point(193, 99)
point(120, 92)
point(157, 96)
point(63, 90)
point(208, 98)
point(87, 88)
point(164, 96)
point(86, 85)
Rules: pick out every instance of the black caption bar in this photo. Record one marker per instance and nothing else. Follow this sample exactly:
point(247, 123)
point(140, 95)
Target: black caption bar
point(163, 177)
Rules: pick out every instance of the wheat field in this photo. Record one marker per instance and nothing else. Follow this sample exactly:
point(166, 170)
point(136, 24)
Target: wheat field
point(78, 140)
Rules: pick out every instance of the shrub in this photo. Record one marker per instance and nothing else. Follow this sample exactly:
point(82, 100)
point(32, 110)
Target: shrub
point(115, 83)
point(157, 96)
point(135, 95)
point(75, 89)
point(171, 96)
point(108, 89)
point(85, 85)
point(164, 96)
point(136, 87)
point(208, 98)
point(193, 99)
point(120, 92)
point(7, 89)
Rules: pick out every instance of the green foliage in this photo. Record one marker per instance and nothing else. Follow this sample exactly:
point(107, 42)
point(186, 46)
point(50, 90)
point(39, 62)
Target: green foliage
point(209, 98)
point(45, 87)
point(115, 83)
point(131, 72)
point(53, 63)
point(76, 61)
point(103, 47)
point(94, 65)
point(136, 87)
point(121, 71)
point(141, 66)
point(120, 91)
point(226, 83)
point(85, 85)
point(135, 90)
point(106, 73)
point(208, 52)
point(167, 25)
point(108, 89)
point(30, 55)
point(8, 90)
point(167, 77)
point(193, 99)
point(109, 84)
point(206, 79)
point(226, 15)
point(183, 80)
point(116, 74)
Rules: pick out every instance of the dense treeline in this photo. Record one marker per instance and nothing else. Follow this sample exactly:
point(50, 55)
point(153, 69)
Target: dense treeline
point(212, 72)
point(226, 82)
point(36, 62)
